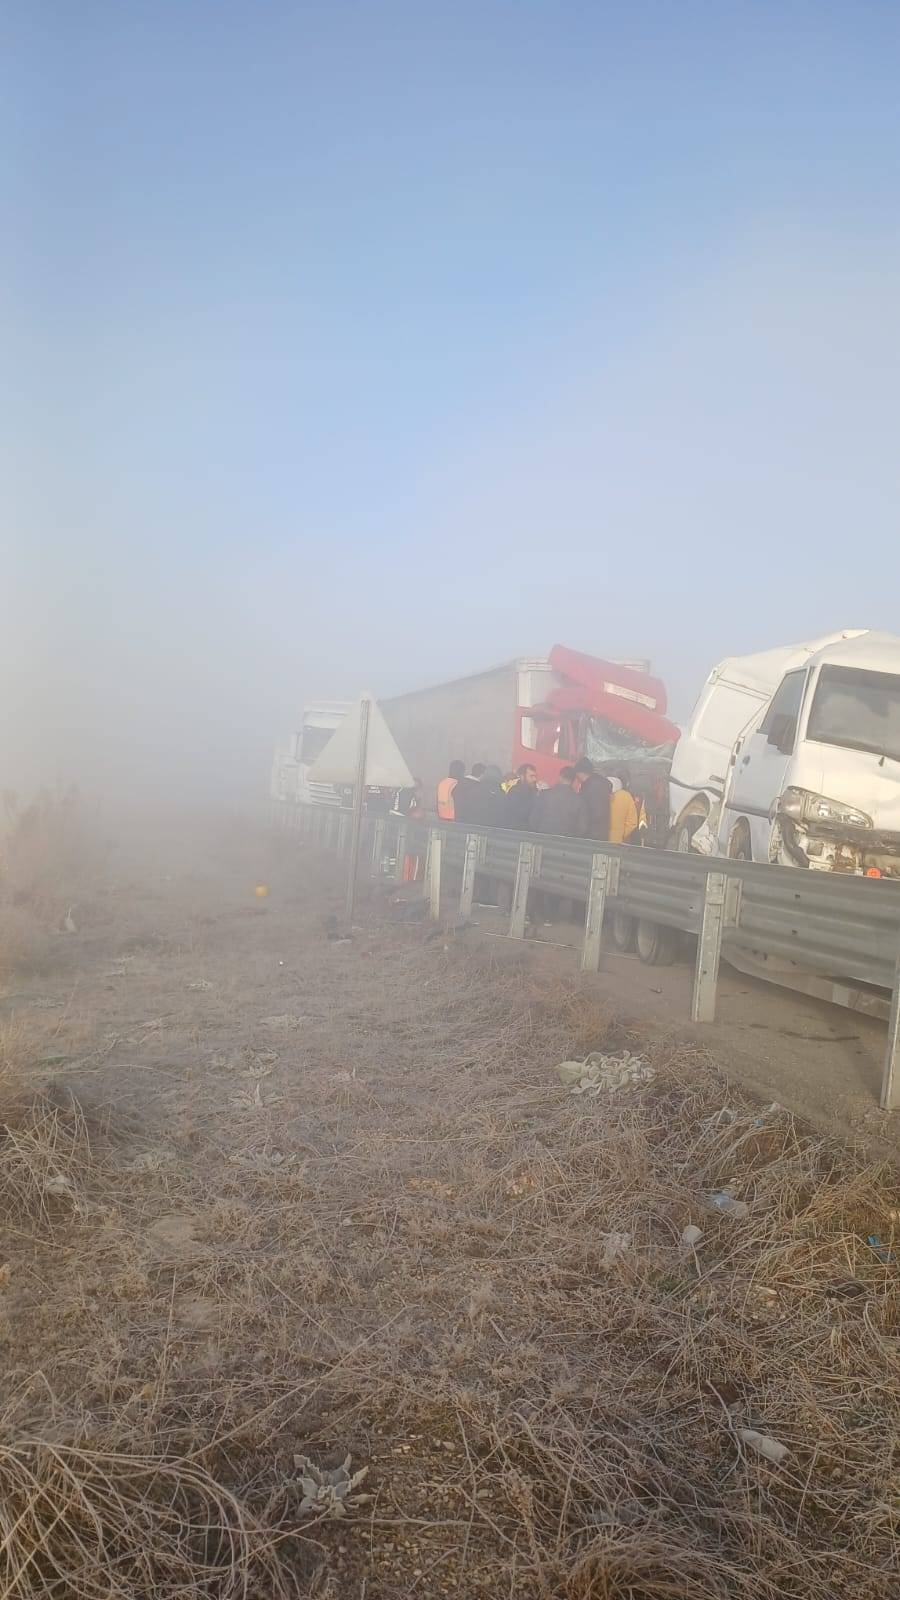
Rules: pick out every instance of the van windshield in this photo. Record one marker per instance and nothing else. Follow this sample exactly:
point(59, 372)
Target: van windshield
point(858, 710)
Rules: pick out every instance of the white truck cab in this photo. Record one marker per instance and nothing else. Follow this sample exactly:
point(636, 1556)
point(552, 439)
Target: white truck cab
point(814, 780)
point(734, 695)
point(292, 762)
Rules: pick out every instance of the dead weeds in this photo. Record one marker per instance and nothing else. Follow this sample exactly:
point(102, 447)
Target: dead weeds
point(398, 1249)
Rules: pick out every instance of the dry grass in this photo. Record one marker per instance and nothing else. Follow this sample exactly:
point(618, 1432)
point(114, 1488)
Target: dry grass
point(50, 848)
point(104, 1524)
point(366, 1218)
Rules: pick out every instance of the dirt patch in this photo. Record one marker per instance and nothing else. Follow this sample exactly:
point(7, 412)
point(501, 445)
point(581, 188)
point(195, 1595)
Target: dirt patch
point(332, 1200)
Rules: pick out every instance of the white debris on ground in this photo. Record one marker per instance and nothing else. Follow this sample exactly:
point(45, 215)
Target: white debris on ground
point(599, 1072)
point(615, 1246)
point(764, 1444)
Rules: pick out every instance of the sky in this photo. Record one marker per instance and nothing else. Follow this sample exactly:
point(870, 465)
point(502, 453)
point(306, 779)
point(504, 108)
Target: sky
point(358, 344)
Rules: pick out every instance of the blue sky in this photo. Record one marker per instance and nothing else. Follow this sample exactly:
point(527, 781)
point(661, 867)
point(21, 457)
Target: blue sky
point(361, 344)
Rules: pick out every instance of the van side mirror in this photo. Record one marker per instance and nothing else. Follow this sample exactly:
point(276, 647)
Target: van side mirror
point(782, 733)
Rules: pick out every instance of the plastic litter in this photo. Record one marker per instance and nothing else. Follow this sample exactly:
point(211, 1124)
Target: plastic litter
point(692, 1235)
point(720, 1119)
point(612, 1073)
point(570, 1071)
point(615, 1246)
point(764, 1444)
point(881, 1250)
point(726, 1203)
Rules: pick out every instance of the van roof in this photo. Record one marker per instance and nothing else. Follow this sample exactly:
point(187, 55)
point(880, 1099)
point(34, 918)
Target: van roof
point(764, 668)
point(872, 651)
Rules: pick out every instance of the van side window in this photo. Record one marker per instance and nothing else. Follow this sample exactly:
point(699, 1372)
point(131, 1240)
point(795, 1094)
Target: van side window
point(783, 714)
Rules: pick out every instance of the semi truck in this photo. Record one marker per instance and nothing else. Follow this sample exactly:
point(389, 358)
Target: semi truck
point(289, 780)
point(547, 710)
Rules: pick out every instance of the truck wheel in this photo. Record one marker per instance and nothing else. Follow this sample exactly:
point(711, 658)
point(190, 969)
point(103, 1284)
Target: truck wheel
point(739, 847)
point(655, 944)
point(681, 837)
point(623, 927)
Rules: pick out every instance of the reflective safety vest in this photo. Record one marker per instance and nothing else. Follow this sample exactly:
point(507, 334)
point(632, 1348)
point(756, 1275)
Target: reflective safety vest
point(445, 807)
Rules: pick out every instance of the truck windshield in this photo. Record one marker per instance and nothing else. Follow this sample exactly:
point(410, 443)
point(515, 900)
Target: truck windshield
point(858, 710)
point(314, 742)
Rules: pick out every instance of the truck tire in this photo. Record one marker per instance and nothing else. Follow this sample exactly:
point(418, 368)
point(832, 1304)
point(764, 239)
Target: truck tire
point(739, 847)
point(623, 927)
point(682, 834)
point(655, 943)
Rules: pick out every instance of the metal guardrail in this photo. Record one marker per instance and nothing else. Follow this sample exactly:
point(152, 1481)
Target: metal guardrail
point(825, 934)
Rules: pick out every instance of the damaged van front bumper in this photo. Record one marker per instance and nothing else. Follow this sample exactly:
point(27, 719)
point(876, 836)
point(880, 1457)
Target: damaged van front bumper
point(836, 847)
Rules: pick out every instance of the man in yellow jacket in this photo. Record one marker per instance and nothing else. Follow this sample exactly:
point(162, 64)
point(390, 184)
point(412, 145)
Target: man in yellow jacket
point(624, 815)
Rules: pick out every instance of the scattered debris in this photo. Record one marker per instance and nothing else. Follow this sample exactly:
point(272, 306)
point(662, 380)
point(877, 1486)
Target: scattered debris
point(69, 925)
point(598, 1071)
point(720, 1119)
point(882, 1251)
point(282, 1020)
point(615, 1246)
point(692, 1235)
point(725, 1202)
point(764, 1444)
point(330, 1493)
point(199, 984)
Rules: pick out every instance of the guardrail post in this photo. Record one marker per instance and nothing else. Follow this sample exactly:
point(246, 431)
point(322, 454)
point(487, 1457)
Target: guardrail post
point(433, 875)
point(343, 832)
point(604, 881)
point(890, 1083)
point(709, 949)
point(400, 857)
point(524, 870)
point(377, 855)
point(467, 891)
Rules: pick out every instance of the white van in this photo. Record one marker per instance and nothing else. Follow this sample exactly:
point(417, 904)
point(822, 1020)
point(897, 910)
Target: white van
point(815, 780)
point(732, 698)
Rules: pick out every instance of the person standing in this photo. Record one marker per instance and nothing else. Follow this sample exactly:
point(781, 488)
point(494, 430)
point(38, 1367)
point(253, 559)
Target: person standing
point(624, 817)
point(557, 811)
point(520, 798)
point(491, 798)
point(467, 795)
point(446, 789)
point(411, 804)
point(594, 792)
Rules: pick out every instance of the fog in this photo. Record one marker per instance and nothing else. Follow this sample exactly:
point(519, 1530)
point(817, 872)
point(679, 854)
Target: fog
point(232, 487)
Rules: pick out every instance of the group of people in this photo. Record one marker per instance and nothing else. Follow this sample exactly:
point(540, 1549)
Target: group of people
point(582, 804)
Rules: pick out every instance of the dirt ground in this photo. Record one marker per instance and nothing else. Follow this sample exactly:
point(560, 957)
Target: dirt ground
point(271, 1199)
point(823, 1061)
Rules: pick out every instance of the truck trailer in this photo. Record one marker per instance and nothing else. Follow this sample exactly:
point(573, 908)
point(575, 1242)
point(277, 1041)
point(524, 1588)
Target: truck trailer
point(547, 710)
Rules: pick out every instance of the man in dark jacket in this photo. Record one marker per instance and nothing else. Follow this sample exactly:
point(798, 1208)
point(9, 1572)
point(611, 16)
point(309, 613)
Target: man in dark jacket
point(558, 810)
point(594, 793)
point(467, 796)
point(520, 799)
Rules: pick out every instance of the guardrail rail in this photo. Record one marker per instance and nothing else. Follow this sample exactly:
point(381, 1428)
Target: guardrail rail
point(830, 935)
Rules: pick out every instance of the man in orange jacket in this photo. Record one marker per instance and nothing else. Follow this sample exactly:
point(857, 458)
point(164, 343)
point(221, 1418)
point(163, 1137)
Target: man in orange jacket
point(445, 808)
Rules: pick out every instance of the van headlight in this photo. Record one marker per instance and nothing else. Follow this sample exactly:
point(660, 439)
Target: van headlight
point(800, 805)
